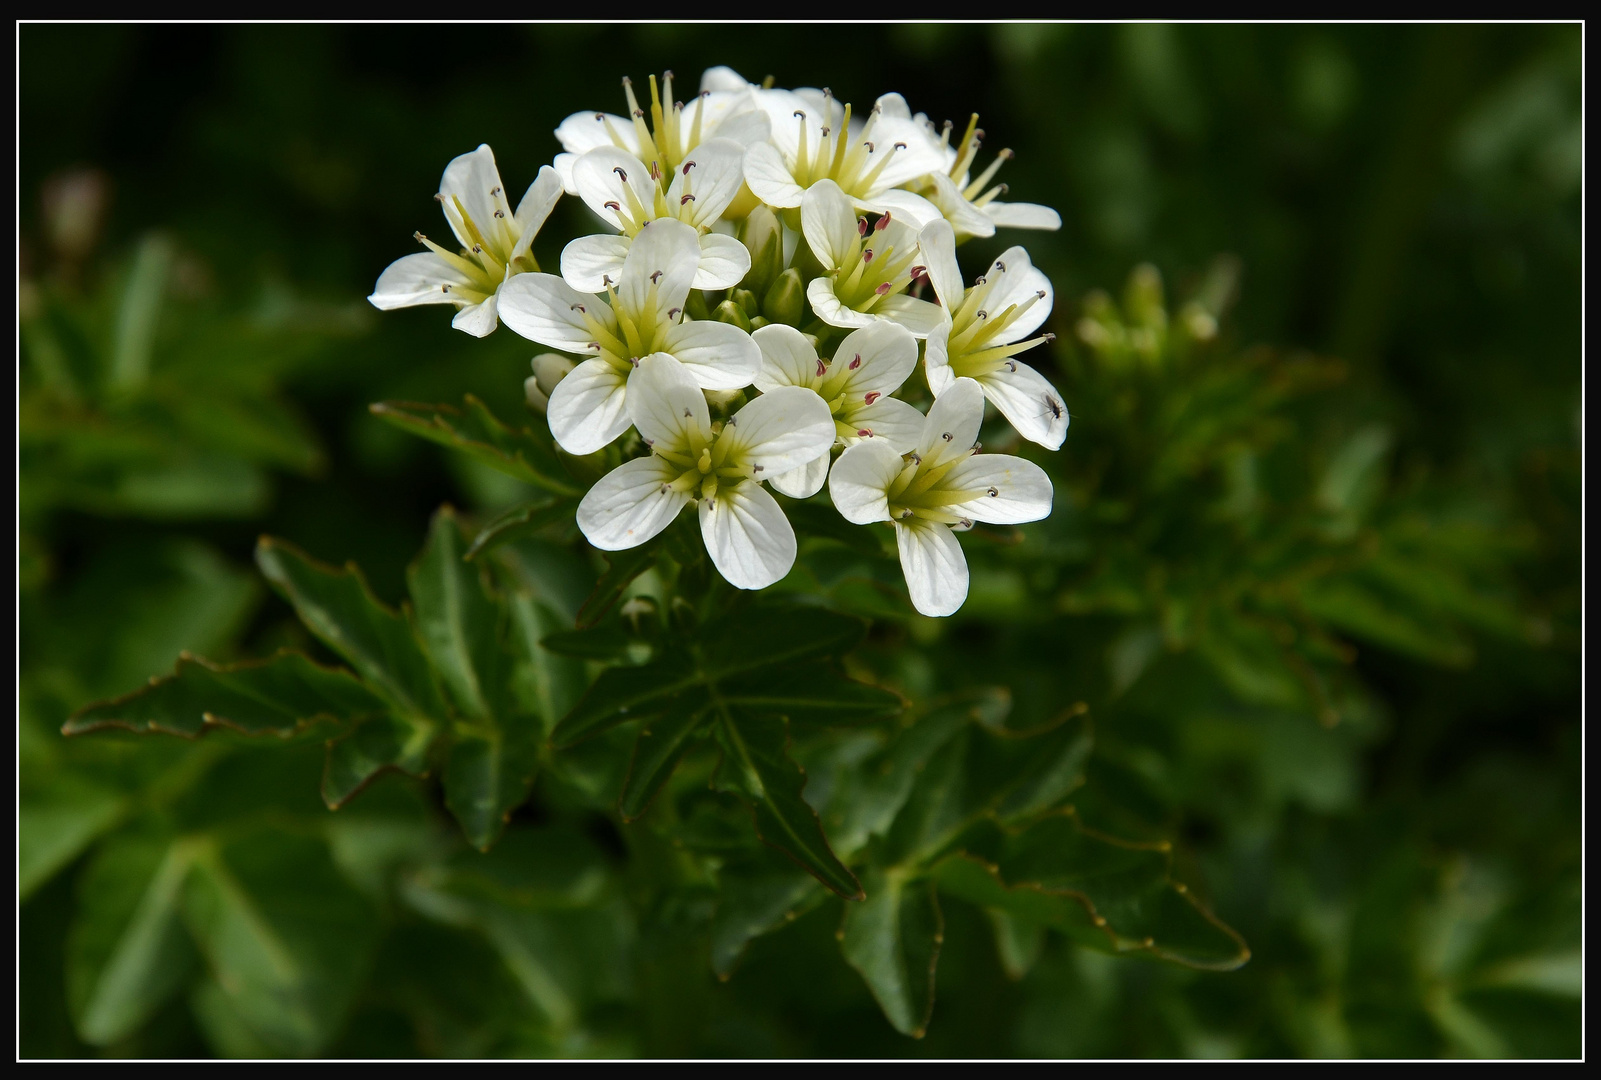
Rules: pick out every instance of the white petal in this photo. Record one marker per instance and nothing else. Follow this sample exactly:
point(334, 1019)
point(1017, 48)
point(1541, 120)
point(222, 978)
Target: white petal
point(748, 537)
point(471, 178)
point(788, 358)
point(889, 419)
point(563, 164)
point(587, 262)
point(780, 106)
point(544, 308)
point(724, 262)
point(630, 504)
point(779, 431)
point(937, 252)
point(477, 319)
point(804, 482)
point(860, 479)
point(967, 219)
point(911, 153)
point(712, 173)
point(937, 360)
point(1013, 279)
point(769, 178)
point(582, 132)
point(535, 207)
point(720, 356)
point(903, 206)
point(664, 254)
point(589, 408)
point(599, 176)
point(828, 220)
point(723, 77)
point(1022, 490)
point(1023, 216)
point(748, 127)
point(918, 316)
point(667, 406)
point(1029, 401)
point(874, 360)
point(951, 428)
point(827, 306)
point(935, 569)
point(416, 279)
point(893, 106)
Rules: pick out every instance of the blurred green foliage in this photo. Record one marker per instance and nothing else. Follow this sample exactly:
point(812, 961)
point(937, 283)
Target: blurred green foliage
point(1310, 589)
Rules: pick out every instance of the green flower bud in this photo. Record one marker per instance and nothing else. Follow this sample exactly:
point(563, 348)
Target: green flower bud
point(732, 313)
point(746, 300)
point(785, 302)
point(763, 237)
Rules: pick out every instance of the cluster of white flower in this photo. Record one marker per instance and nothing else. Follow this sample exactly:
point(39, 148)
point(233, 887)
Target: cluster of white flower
point(823, 233)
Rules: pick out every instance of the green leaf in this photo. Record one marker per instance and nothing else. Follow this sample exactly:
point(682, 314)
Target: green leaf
point(458, 623)
point(286, 937)
point(771, 635)
point(1113, 895)
point(661, 743)
point(56, 823)
point(374, 745)
point(488, 775)
point(595, 643)
point(1359, 610)
point(893, 940)
point(548, 684)
point(527, 520)
point(1042, 768)
point(127, 952)
point(622, 567)
point(626, 693)
point(756, 897)
point(339, 608)
point(522, 453)
point(757, 753)
point(280, 696)
point(812, 694)
point(1018, 942)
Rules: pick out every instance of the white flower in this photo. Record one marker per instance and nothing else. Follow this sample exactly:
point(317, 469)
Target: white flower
point(868, 268)
point(944, 485)
point(626, 194)
point(963, 199)
point(725, 107)
point(868, 366)
point(986, 326)
point(813, 139)
point(719, 466)
point(495, 244)
point(588, 408)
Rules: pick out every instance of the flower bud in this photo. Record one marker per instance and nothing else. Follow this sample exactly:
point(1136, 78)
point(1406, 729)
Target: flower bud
point(747, 301)
point(763, 237)
point(785, 302)
point(731, 313)
point(549, 369)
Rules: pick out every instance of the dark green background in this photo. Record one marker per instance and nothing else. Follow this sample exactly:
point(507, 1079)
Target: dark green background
point(1403, 198)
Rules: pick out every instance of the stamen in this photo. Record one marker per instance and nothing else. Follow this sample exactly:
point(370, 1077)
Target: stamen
point(872, 397)
point(856, 363)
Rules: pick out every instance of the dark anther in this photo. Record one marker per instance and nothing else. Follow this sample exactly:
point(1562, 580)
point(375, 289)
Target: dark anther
point(577, 307)
point(800, 113)
point(688, 165)
point(820, 369)
point(445, 288)
point(500, 213)
point(686, 199)
point(870, 398)
point(656, 277)
point(673, 311)
point(1000, 266)
point(900, 146)
point(601, 117)
point(614, 206)
point(946, 436)
point(856, 363)
point(618, 169)
point(869, 147)
point(994, 493)
point(493, 192)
